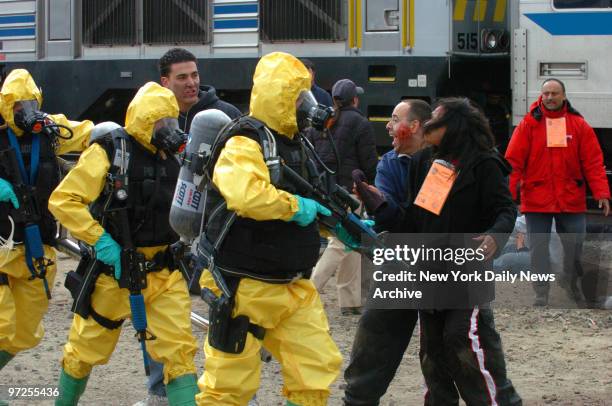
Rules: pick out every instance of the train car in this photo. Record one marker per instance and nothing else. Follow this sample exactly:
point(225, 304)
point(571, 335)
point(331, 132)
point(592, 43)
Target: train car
point(89, 56)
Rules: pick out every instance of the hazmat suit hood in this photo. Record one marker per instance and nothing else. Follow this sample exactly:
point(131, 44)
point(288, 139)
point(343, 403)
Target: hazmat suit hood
point(278, 81)
point(18, 86)
point(151, 103)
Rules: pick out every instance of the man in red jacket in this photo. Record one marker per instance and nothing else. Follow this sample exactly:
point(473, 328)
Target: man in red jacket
point(553, 151)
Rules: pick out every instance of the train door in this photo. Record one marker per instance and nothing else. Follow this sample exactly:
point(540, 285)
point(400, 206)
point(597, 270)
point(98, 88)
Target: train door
point(379, 26)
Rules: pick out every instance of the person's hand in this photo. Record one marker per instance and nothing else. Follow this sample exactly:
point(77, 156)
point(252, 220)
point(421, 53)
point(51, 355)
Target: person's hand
point(371, 197)
point(308, 210)
point(605, 203)
point(350, 243)
point(487, 245)
point(7, 193)
point(109, 253)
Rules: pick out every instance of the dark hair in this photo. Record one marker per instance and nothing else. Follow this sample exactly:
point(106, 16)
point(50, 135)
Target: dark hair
point(172, 56)
point(555, 80)
point(467, 131)
point(419, 110)
point(308, 63)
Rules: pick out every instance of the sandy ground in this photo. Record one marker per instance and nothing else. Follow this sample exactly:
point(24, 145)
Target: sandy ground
point(554, 357)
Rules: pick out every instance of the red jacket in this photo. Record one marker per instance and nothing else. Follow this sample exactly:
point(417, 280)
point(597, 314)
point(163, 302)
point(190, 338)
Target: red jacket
point(552, 180)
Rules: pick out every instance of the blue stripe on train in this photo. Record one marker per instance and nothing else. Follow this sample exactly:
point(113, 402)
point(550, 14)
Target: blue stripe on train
point(233, 24)
point(16, 32)
point(16, 19)
point(578, 23)
point(236, 9)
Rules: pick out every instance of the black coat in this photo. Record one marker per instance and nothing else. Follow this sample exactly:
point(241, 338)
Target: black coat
point(355, 142)
point(208, 99)
point(479, 201)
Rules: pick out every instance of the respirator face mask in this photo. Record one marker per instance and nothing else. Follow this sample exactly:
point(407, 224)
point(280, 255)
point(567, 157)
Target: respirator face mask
point(311, 114)
point(168, 137)
point(26, 115)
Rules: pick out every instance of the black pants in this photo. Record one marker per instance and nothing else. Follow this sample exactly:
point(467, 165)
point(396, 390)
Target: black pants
point(381, 339)
point(464, 345)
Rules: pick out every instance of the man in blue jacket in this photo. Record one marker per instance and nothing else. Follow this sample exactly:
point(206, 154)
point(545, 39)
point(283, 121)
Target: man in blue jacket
point(405, 127)
point(384, 334)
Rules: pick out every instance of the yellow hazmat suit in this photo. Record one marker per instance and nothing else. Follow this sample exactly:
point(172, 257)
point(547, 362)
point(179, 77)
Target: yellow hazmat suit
point(23, 301)
point(166, 297)
point(297, 331)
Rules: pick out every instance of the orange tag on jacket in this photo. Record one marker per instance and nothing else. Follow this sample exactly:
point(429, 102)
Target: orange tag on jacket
point(556, 133)
point(436, 187)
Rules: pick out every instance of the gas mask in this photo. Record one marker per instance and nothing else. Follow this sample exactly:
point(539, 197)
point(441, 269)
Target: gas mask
point(28, 118)
point(311, 114)
point(168, 137)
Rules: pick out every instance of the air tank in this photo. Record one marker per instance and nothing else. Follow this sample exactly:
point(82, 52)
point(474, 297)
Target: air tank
point(101, 129)
point(188, 202)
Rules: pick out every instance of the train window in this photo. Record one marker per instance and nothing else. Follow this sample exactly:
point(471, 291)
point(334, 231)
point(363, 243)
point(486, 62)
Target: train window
point(380, 114)
point(382, 73)
point(561, 4)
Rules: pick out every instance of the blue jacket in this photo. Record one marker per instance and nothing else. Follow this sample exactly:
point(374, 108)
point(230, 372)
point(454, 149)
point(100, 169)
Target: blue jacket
point(322, 96)
point(392, 176)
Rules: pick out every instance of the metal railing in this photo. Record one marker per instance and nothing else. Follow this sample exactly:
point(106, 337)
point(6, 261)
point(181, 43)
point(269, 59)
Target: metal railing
point(133, 22)
point(302, 20)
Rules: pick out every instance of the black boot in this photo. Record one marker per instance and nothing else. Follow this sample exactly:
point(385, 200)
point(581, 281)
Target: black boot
point(541, 293)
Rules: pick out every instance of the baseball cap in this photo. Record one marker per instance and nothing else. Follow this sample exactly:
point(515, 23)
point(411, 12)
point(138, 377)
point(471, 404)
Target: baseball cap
point(345, 90)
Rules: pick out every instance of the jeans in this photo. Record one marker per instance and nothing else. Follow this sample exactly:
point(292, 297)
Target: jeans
point(572, 230)
point(155, 383)
point(514, 262)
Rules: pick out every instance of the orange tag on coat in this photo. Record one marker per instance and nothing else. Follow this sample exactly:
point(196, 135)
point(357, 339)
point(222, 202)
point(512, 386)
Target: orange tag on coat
point(556, 133)
point(435, 189)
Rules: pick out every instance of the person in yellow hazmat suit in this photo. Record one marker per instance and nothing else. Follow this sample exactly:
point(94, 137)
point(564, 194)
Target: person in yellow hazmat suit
point(152, 128)
point(268, 253)
point(30, 140)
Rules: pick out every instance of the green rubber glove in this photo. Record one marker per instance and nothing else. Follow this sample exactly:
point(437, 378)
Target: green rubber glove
point(7, 193)
point(350, 242)
point(307, 211)
point(109, 253)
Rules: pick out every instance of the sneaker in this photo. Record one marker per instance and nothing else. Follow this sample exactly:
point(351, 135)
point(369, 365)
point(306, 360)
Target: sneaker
point(350, 311)
point(153, 400)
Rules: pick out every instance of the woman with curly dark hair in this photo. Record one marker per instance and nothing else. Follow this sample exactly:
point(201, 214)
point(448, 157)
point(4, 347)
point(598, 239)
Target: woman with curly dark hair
point(460, 348)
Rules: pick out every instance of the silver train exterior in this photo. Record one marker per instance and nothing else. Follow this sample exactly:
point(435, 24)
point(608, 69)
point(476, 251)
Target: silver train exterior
point(90, 56)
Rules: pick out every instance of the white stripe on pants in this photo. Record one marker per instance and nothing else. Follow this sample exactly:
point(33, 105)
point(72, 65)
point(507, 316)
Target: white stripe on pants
point(475, 341)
